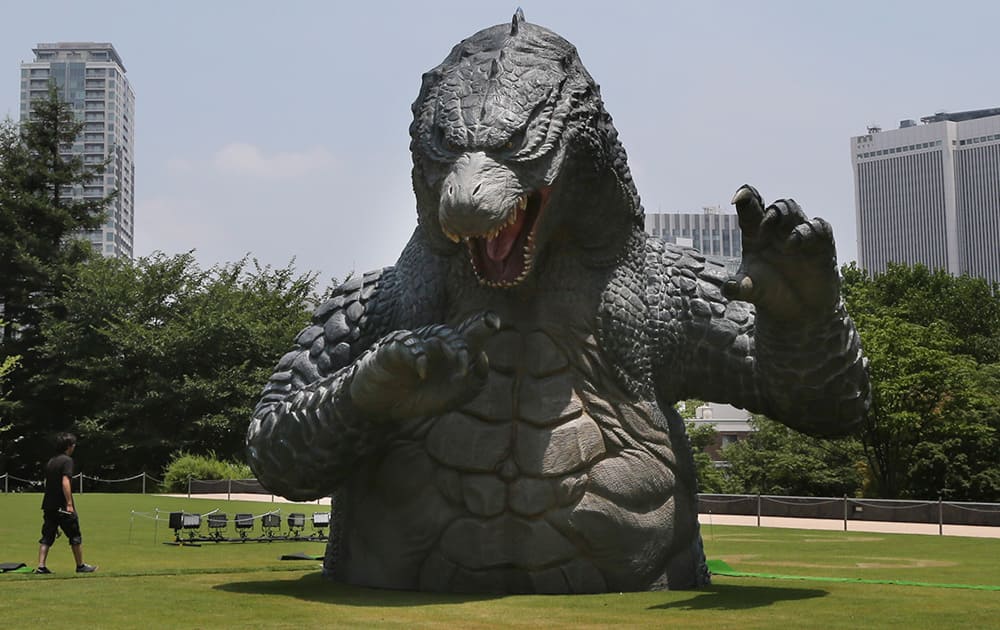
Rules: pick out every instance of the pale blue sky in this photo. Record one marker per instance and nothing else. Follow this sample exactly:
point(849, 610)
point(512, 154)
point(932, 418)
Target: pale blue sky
point(280, 129)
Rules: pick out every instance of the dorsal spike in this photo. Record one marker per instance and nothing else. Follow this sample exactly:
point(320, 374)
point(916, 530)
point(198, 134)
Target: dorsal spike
point(515, 23)
point(494, 68)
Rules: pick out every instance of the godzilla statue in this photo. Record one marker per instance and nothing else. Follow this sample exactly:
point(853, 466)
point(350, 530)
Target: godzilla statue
point(494, 413)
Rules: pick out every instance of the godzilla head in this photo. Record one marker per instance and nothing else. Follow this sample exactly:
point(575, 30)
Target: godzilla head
point(515, 158)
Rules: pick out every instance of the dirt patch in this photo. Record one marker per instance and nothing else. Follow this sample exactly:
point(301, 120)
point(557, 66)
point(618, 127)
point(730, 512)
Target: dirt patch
point(873, 563)
point(905, 563)
point(851, 539)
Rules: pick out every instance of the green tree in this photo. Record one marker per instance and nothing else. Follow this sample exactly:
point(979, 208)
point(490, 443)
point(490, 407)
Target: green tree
point(711, 478)
point(775, 459)
point(932, 340)
point(38, 216)
point(157, 356)
point(38, 213)
point(7, 365)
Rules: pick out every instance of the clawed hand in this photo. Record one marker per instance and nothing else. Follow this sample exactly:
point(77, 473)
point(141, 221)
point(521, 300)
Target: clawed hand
point(424, 371)
point(789, 267)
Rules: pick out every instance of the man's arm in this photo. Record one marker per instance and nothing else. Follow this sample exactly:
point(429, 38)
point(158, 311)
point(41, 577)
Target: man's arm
point(67, 488)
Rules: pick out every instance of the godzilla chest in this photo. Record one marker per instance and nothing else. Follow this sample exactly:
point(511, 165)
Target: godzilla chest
point(550, 480)
point(525, 443)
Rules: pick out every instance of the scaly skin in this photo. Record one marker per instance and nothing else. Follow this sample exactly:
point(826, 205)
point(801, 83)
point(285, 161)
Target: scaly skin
point(494, 413)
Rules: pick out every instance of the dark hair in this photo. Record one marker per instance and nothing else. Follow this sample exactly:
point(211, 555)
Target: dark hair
point(64, 441)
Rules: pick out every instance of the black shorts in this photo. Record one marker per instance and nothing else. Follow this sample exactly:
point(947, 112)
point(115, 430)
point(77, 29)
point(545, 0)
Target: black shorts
point(69, 522)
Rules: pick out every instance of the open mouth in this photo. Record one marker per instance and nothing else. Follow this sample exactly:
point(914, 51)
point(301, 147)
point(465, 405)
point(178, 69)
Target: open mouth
point(503, 257)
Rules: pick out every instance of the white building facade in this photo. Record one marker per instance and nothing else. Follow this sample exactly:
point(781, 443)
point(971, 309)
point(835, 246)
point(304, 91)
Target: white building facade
point(712, 232)
point(930, 193)
point(91, 78)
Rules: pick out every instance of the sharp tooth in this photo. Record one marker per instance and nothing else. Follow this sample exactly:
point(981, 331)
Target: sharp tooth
point(451, 237)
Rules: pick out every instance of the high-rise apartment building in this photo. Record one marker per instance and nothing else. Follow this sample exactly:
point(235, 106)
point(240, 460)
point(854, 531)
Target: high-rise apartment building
point(712, 232)
point(930, 193)
point(91, 78)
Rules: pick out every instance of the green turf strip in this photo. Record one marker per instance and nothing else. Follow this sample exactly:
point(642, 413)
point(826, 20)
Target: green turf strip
point(720, 567)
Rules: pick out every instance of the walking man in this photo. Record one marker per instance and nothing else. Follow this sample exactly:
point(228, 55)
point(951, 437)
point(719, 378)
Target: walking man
point(58, 508)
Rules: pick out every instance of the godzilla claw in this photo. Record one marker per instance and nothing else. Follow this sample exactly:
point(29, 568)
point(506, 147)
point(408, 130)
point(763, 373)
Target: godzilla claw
point(750, 208)
point(738, 289)
point(478, 329)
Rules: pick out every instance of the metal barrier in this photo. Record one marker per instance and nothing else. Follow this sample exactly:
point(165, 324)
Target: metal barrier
point(848, 509)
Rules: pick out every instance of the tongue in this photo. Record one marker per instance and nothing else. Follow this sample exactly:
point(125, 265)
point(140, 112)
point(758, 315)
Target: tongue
point(498, 247)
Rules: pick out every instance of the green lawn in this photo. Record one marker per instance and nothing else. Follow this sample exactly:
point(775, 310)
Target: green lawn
point(144, 583)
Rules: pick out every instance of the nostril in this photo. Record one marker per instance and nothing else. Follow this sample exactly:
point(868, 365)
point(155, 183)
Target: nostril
point(476, 189)
point(451, 191)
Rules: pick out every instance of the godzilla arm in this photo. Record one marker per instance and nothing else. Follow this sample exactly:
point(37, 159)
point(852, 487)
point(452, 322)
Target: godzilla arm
point(306, 434)
point(810, 375)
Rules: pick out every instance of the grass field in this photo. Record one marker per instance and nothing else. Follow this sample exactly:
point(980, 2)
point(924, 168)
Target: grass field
point(144, 583)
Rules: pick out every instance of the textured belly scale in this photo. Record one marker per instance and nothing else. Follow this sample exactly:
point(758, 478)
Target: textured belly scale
point(515, 465)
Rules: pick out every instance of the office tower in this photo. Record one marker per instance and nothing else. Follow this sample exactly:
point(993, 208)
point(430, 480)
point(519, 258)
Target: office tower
point(91, 78)
point(930, 193)
point(712, 232)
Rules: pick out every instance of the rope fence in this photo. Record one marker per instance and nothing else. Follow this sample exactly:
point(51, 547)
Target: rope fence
point(847, 509)
point(142, 483)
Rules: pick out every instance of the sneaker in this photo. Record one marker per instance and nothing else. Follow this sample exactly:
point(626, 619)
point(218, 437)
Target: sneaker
point(42, 571)
point(86, 568)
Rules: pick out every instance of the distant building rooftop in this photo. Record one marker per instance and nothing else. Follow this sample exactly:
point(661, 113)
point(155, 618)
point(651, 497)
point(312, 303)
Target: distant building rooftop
point(40, 50)
point(972, 114)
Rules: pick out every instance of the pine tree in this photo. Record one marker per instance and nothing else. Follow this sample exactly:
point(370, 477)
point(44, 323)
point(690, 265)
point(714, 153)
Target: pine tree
point(39, 249)
point(39, 215)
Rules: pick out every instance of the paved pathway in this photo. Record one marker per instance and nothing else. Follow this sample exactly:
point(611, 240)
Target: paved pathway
point(882, 527)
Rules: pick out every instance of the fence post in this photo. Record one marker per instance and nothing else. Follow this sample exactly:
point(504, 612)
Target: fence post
point(6, 476)
point(940, 517)
point(845, 512)
point(144, 482)
point(81, 483)
point(229, 491)
point(758, 509)
point(189, 486)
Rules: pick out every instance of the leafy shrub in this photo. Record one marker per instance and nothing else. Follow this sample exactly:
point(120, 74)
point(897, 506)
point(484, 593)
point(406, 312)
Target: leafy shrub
point(185, 465)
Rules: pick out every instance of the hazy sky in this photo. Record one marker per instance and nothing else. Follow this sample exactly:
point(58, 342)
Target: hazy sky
point(279, 129)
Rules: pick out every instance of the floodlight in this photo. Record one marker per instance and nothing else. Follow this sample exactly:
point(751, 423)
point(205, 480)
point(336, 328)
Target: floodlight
point(243, 523)
point(296, 520)
point(321, 520)
point(191, 521)
point(270, 522)
point(217, 522)
point(176, 520)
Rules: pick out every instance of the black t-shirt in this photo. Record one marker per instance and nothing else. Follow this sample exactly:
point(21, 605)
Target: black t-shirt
point(58, 467)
